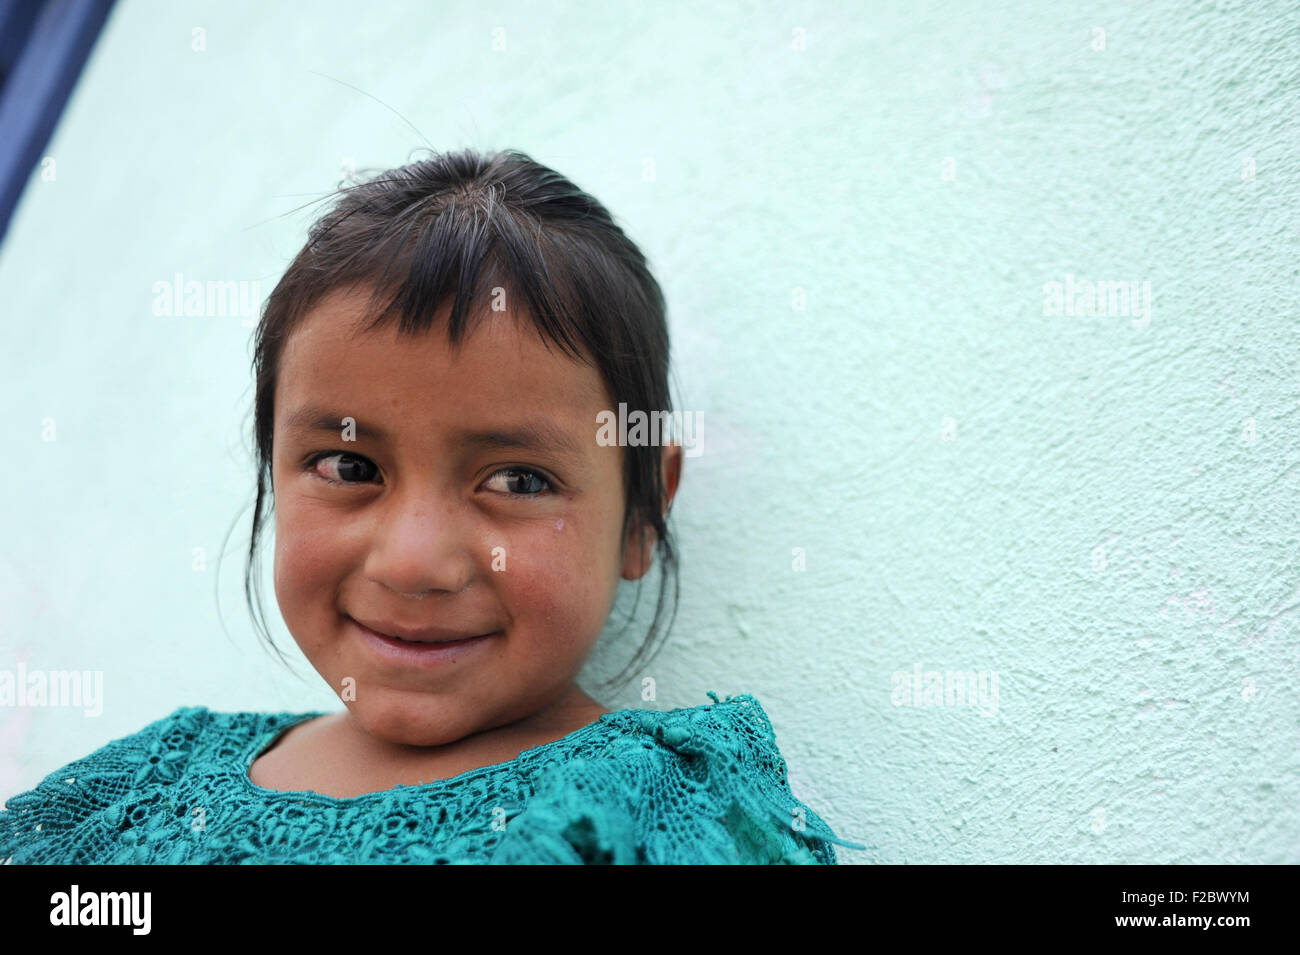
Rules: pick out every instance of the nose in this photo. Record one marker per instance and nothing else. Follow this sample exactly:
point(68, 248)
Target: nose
point(419, 547)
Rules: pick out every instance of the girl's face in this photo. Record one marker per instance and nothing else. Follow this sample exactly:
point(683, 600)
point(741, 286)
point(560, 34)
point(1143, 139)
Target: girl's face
point(445, 491)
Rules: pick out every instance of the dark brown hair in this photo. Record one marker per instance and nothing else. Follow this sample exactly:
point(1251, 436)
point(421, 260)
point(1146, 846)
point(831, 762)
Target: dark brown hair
point(452, 227)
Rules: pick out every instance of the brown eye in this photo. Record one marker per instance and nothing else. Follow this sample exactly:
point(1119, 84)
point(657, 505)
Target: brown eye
point(350, 468)
point(522, 482)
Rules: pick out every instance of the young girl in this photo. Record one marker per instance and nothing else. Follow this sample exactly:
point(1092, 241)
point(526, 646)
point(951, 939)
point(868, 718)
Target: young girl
point(449, 537)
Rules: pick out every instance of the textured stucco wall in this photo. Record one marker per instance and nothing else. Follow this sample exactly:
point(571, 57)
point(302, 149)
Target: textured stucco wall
point(1096, 510)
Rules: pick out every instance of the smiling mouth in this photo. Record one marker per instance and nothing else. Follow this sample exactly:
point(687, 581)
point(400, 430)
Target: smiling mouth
point(426, 639)
point(430, 643)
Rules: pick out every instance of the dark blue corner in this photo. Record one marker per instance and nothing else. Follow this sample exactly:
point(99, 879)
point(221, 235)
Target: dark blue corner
point(43, 46)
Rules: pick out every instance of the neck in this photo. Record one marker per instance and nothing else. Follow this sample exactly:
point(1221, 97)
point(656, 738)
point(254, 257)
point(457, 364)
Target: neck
point(569, 711)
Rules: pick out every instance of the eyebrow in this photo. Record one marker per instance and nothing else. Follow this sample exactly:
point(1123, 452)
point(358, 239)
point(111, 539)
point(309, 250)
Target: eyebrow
point(536, 435)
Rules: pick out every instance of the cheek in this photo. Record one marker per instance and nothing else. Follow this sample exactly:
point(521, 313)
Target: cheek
point(558, 579)
point(305, 557)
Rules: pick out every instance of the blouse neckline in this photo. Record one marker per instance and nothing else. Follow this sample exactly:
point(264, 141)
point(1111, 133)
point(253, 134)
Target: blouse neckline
point(263, 741)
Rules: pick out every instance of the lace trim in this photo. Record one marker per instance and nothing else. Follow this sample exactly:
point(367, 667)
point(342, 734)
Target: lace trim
point(262, 742)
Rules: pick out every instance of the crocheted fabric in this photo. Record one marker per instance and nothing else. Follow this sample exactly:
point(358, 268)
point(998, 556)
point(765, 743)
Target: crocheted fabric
point(704, 784)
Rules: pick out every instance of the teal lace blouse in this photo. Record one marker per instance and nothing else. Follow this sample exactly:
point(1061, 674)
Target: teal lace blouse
point(703, 784)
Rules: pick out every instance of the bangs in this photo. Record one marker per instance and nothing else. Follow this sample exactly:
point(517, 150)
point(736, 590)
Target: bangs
point(470, 250)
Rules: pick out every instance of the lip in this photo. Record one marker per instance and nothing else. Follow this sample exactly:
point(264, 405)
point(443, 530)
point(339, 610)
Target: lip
point(427, 653)
point(423, 635)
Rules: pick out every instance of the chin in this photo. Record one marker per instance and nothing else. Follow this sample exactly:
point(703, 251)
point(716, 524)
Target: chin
point(414, 725)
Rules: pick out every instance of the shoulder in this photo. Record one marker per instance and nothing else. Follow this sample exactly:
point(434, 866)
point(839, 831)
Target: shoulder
point(35, 825)
point(737, 727)
point(723, 760)
point(67, 817)
point(161, 743)
point(166, 734)
point(703, 784)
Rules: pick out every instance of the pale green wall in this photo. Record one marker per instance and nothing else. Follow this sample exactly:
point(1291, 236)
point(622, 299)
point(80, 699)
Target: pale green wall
point(1095, 523)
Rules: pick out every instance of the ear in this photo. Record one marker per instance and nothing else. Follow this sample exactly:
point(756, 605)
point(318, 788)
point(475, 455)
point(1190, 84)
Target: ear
point(638, 547)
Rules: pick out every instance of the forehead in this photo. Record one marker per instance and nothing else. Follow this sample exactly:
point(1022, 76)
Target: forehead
point(502, 371)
